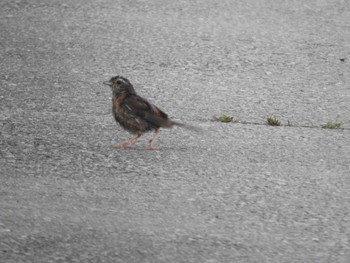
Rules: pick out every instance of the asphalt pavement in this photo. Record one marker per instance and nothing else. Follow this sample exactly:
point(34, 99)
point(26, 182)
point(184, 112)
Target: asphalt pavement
point(241, 191)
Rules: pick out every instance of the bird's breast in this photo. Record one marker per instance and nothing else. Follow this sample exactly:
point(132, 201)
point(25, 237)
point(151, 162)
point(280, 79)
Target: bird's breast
point(117, 101)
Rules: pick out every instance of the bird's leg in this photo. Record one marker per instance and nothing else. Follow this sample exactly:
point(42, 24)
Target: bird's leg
point(126, 143)
point(152, 141)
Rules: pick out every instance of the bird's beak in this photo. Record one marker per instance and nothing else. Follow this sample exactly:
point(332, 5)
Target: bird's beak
point(107, 83)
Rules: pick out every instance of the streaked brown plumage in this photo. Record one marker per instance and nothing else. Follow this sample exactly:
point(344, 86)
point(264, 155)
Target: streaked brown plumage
point(134, 113)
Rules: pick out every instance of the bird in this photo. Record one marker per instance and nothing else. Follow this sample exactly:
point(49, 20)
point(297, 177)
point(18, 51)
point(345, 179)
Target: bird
point(135, 114)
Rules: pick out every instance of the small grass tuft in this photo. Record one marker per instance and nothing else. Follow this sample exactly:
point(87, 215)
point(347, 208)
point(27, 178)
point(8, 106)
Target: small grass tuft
point(224, 118)
point(331, 125)
point(289, 123)
point(272, 121)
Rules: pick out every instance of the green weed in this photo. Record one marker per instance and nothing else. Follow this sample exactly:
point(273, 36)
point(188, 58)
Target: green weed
point(273, 121)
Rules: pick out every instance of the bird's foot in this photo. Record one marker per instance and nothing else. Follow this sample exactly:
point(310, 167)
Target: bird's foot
point(152, 141)
point(121, 145)
point(127, 143)
point(151, 147)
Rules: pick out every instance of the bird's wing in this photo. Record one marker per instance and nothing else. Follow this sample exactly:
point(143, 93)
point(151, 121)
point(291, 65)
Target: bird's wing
point(145, 110)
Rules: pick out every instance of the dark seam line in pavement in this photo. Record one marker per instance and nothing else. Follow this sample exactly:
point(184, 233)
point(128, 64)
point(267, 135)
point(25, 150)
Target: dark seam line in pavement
point(292, 126)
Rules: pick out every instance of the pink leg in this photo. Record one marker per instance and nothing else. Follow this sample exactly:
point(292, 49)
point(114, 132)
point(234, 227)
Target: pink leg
point(126, 144)
point(152, 141)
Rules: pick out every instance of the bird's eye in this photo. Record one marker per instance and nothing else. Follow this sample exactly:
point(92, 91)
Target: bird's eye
point(119, 82)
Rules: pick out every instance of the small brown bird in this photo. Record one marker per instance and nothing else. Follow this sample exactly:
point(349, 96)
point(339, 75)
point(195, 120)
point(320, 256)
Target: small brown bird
point(135, 114)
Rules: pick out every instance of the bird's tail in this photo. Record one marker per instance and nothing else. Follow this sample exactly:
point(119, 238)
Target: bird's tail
point(186, 126)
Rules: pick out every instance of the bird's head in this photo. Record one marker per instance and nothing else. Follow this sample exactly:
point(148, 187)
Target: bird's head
point(120, 85)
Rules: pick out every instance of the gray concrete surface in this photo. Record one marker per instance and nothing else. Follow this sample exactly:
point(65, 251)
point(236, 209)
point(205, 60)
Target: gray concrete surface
point(237, 192)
